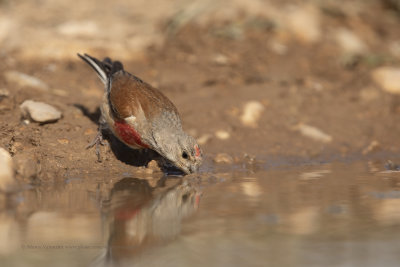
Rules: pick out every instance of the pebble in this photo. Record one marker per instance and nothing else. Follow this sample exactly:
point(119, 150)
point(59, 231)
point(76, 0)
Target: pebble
point(388, 78)
point(373, 146)
point(79, 28)
point(349, 42)
point(63, 141)
point(251, 113)
point(152, 166)
point(4, 93)
point(220, 59)
point(205, 138)
point(7, 181)
point(223, 135)
point(313, 133)
point(40, 112)
point(223, 158)
point(304, 24)
point(23, 79)
point(251, 188)
point(26, 165)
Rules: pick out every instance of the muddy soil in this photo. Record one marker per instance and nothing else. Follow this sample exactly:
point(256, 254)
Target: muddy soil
point(210, 71)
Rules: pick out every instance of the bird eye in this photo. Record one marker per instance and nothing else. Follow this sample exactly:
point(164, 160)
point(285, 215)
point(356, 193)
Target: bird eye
point(185, 155)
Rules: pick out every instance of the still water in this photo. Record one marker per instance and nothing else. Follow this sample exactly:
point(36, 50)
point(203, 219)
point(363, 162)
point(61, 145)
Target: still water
point(335, 214)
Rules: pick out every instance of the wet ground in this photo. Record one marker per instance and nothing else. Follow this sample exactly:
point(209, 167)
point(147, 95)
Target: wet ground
point(295, 104)
point(332, 214)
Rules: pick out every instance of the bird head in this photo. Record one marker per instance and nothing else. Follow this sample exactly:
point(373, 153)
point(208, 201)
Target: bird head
point(182, 150)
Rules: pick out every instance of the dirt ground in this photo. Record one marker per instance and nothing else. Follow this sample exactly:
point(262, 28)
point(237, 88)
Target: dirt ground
point(210, 67)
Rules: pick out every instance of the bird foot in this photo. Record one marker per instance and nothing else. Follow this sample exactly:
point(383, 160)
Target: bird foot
point(97, 141)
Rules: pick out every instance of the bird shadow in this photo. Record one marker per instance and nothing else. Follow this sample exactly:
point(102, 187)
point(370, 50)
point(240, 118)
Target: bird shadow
point(133, 157)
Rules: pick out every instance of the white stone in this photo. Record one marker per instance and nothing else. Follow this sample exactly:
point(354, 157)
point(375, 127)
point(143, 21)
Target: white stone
point(251, 113)
point(39, 112)
point(223, 158)
point(4, 93)
point(79, 28)
point(314, 133)
point(204, 139)
point(23, 79)
point(220, 59)
point(304, 23)
point(349, 42)
point(223, 135)
point(388, 78)
point(7, 181)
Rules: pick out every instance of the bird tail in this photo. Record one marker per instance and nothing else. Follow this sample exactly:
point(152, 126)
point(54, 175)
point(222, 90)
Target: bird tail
point(104, 69)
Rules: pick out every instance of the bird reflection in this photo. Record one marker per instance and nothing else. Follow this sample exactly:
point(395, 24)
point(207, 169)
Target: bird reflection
point(140, 216)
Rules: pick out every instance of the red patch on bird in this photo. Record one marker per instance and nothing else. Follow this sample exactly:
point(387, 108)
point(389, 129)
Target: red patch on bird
point(128, 134)
point(196, 147)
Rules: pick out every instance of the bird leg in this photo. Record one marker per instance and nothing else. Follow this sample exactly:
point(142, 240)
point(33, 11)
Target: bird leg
point(97, 141)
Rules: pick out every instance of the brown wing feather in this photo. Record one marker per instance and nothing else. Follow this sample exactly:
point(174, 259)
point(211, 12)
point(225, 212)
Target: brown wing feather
point(127, 92)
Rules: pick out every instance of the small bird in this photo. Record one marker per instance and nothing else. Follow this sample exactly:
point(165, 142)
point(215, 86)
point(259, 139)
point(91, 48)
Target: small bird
point(142, 117)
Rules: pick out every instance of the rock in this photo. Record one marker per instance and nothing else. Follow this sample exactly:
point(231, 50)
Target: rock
point(26, 165)
point(251, 188)
point(79, 29)
point(7, 181)
point(373, 146)
point(278, 48)
point(153, 165)
point(223, 135)
point(205, 138)
point(388, 78)
point(23, 79)
point(313, 133)
point(39, 112)
point(306, 176)
point(349, 42)
point(5, 27)
point(63, 141)
point(223, 158)
point(220, 59)
point(251, 113)
point(304, 24)
point(4, 93)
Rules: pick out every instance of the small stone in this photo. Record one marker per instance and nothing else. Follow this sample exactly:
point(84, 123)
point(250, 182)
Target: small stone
point(388, 78)
point(223, 158)
point(304, 23)
point(89, 131)
point(63, 141)
point(251, 188)
point(23, 79)
point(153, 167)
point(313, 133)
point(59, 92)
point(79, 28)
point(251, 113)
point(26, 165)
point(306, 176)
point(39, 112)
point(223, 135)
point(4, 93)
point(349, 42)
point(373, 146)
point(205, 138)
point(7, 181)
point(220, 59)
point(278, 48)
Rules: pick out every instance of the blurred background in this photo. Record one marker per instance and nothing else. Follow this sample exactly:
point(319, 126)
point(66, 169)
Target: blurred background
point(296, 105)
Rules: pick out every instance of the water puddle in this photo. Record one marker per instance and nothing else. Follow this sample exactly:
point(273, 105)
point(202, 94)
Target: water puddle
point(336, 214)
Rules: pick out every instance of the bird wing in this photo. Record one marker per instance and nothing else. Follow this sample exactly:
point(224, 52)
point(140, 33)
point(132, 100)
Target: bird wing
point(129, 96)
